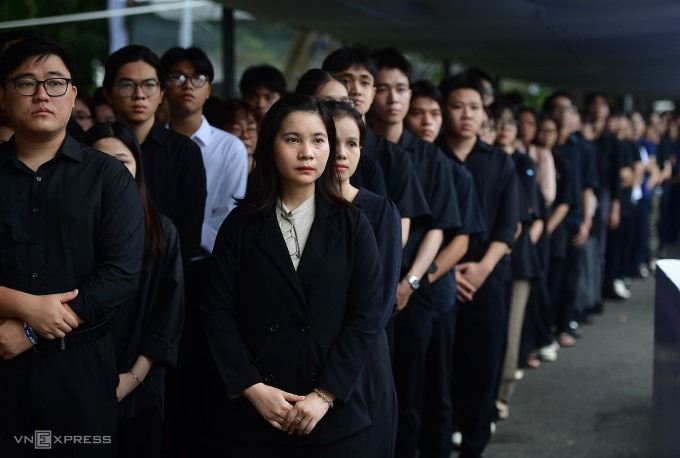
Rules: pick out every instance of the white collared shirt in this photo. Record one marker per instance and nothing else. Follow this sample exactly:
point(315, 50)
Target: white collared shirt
point(226, 170)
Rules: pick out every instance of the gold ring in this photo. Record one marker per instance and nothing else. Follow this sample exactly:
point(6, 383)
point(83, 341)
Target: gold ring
point(298, 419)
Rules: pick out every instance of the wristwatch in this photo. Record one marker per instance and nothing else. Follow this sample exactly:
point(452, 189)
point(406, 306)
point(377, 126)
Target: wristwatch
point(413, 281)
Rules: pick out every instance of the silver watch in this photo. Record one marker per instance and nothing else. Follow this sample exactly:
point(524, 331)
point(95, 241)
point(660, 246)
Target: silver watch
point(413, 281)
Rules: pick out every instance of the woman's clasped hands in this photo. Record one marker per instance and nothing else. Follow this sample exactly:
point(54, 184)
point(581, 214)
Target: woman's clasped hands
point(285, 411)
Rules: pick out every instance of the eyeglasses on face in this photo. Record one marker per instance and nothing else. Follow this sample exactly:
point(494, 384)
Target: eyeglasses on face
point(242, 128)
point(506, 124)
point(487, 126)
point(127, 87)
point(54, 87)
point(179, 79)
point(564, 109)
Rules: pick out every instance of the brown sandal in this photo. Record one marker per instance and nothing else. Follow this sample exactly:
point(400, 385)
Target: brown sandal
point(565, 340)
point(533, 361)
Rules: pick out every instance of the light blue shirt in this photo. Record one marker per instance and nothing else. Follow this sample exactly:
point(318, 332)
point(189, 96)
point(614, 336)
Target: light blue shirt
point(226, 171)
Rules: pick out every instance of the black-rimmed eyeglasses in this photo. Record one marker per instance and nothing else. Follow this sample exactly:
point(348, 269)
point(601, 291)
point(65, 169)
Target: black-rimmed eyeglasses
point(178, 79)
point(28, 87)
point(128, 87)
point(290, 235)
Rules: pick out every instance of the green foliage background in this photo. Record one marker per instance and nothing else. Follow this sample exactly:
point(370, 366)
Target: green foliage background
point(84, 41)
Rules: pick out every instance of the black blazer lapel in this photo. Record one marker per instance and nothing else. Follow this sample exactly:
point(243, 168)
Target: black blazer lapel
point(271, 241)
point(322, 236)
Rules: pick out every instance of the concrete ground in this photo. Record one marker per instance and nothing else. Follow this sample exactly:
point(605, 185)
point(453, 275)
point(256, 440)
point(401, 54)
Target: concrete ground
point(595, 401)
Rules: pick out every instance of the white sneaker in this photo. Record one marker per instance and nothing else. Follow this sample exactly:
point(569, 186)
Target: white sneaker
point(519, 374)
point(503, 411)
point(492, 427)
point(549, 353)
point(456, 439)
point(621, 289)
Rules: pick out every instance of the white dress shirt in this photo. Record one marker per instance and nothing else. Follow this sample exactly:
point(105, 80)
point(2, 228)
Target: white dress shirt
point(226, 170)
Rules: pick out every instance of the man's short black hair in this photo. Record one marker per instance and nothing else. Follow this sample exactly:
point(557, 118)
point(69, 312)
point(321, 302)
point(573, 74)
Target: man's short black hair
point(10, 37)
point(463, 80)
point(548, 103)
point(484, 75)
point(126, 55)
point(343, 58)
point(591, 96)
point(391, 58)
point(32, 48)
point(262, 75)
point(527, 109)
point(196, 56)
point(426, 88)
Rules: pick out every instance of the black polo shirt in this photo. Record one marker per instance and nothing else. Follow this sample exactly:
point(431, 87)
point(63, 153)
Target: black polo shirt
point(401, 180)
point(581, 157)
point(468, 203)
point(369, 175)
point(496, 183)
point(175, 178)
point(608, 163)
point(74, 223)
point(436, 181)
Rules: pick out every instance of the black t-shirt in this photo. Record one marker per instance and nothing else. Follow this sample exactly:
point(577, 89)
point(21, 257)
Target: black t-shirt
point(524, 259)
point(401, 180)
point(496, 183)
point(581, 157)
point(369, 175)
point(436, 180)
point(608, 163)
point(567, 193)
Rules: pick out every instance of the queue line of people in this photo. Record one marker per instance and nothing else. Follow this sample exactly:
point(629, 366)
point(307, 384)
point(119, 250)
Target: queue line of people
point(365, 266)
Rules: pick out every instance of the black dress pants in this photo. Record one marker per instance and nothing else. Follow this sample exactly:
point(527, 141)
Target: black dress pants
point(412, 329)
point(60, 404)
point(478, 349)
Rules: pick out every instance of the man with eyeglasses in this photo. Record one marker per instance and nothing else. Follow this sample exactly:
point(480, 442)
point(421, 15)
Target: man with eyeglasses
point(71, 244)
point(187, 87)
point(189, 76)
point(173, 165)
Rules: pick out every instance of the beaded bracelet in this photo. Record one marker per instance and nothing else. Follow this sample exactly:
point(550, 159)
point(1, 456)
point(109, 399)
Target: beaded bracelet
point(323, 396)
point(139, 382)
point(29, 333)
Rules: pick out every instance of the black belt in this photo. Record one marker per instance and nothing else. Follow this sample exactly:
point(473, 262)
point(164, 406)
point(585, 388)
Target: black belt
point(73, 339)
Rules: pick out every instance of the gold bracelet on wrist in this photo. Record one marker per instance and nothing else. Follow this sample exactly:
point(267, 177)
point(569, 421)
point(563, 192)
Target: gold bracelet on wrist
point(323, 396)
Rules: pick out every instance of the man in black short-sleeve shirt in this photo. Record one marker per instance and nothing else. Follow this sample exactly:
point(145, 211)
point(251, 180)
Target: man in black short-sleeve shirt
point(414, 315)
point(482, 321)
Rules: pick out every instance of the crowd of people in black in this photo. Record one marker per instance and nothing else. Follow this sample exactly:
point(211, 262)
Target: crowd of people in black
point(364, 266)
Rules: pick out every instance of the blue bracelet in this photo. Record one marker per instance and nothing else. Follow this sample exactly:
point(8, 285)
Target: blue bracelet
point(29, 333)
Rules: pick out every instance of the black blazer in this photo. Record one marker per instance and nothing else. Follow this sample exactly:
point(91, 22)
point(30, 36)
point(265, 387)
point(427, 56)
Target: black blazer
point(265, 322)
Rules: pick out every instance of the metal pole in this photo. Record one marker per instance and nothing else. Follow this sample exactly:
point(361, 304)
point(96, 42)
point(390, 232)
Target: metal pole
point(186, 26)
point(228, 53)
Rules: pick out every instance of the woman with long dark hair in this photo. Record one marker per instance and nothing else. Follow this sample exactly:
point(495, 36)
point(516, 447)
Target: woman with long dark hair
point(294, 300)
point(145, 332)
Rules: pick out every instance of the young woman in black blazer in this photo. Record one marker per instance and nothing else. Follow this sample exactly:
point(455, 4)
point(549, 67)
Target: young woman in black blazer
point(294, 300)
